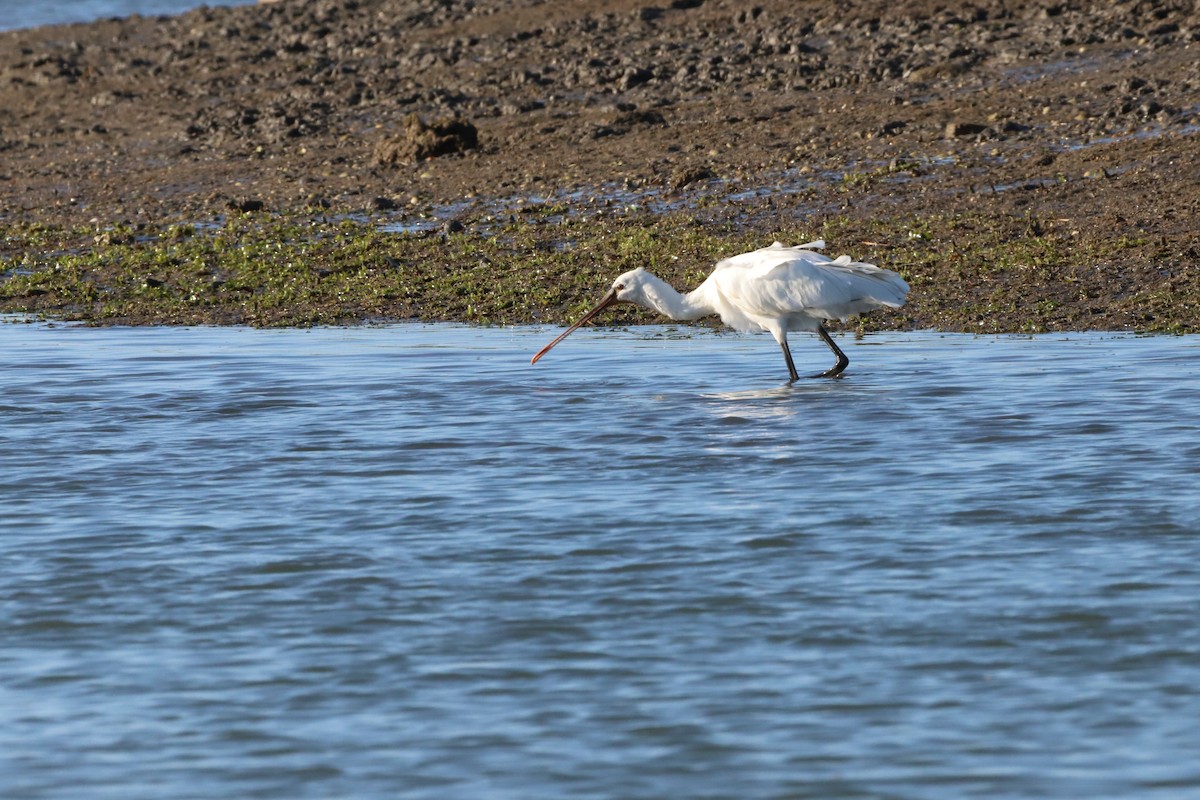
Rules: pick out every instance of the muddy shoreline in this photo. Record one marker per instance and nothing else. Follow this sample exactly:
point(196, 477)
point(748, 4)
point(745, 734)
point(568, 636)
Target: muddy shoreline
point(1026, 166)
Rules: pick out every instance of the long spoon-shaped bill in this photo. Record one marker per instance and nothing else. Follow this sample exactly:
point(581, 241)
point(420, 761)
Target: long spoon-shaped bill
point(608, 300)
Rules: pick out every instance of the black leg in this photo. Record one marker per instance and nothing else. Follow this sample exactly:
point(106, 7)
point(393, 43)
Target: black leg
point(842, 361)
point(787, 355)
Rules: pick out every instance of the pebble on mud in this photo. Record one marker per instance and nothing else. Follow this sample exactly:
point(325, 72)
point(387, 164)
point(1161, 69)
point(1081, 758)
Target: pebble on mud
point(957, 130)
point(685, 175)
point(247, 204)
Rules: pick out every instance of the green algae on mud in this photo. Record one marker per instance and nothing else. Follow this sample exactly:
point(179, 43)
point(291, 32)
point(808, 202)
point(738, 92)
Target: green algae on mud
point(967, 272)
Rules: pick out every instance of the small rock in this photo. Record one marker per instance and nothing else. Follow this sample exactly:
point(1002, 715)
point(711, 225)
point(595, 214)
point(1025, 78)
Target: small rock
point(247, 204)
point(633, 119)
point(511, 107)
point(1133, 84)
point(748, 15)
point(685, 175)
point(1149, 109)
point(957, 130)
point(106, 98)
point(601, 131)
point(635, 77)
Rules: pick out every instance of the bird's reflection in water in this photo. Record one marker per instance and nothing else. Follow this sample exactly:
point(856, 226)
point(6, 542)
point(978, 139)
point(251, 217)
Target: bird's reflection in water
point(768, 403)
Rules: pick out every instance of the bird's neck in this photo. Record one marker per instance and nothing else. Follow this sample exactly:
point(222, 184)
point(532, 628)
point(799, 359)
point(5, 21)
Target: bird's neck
point(662, 297)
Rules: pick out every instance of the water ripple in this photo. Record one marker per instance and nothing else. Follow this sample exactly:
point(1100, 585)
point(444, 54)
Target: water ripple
point(402, 562)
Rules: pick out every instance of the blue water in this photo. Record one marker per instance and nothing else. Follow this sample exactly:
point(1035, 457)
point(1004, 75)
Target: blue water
point(24, 14)
point(402, 562)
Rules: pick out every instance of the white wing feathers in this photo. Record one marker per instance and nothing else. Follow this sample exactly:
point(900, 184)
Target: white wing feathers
point(767, 258)
point(819, 244)
point(800, 287)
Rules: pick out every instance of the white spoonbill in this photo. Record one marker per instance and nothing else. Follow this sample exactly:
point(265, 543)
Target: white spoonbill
point(776, 289)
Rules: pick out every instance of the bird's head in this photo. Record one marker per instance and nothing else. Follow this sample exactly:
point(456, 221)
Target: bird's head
point(629, 287)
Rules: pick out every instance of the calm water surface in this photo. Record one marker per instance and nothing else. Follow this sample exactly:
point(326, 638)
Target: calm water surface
point(402, 562)
point(26, 14)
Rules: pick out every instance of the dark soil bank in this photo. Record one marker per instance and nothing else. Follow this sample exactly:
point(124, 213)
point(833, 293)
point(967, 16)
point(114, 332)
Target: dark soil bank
point(1026, 166)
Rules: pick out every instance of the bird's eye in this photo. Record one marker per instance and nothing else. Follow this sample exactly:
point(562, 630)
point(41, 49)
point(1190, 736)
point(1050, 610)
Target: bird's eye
point(619, 287)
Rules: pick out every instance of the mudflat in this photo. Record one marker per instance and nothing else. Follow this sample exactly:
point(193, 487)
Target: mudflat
point(1025, 165)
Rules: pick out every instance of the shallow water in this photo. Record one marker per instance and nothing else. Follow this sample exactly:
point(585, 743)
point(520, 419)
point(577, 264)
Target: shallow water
point(23, 14)
point(402, 562)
